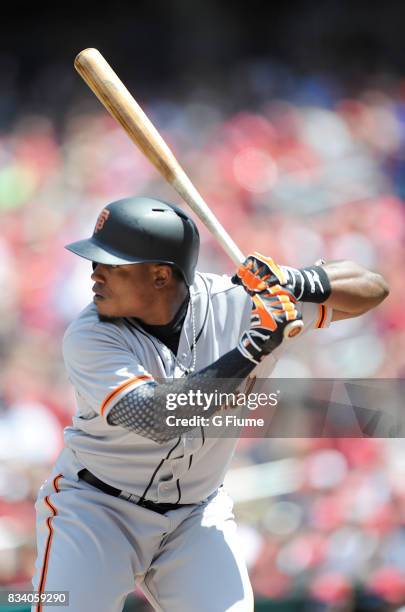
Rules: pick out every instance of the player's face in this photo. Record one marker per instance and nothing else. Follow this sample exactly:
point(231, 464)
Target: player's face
point(128, 291)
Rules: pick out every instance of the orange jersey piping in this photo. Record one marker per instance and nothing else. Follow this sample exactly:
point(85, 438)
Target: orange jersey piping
point(45, 562)
point(124, 385)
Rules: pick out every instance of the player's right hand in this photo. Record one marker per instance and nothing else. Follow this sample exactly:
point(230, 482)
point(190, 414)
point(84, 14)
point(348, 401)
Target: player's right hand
point(270, 315)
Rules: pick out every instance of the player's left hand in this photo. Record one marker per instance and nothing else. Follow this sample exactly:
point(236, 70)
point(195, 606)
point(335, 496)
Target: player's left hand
point(259, 273)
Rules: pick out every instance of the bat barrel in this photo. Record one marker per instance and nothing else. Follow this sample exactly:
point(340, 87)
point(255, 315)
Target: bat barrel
point(116, 98)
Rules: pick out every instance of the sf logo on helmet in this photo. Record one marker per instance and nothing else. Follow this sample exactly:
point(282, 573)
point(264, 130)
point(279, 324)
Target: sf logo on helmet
point(102, 218)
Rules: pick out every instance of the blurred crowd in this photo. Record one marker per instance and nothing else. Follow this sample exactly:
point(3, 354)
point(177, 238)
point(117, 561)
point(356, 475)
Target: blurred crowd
point(304, 176)
point(333, 528)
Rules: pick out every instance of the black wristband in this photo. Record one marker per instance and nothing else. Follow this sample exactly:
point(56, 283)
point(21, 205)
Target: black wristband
point(317, 287)
point(310, 284)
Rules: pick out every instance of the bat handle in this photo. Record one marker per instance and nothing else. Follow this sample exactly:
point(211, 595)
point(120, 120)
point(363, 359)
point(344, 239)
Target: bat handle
point(292, 329)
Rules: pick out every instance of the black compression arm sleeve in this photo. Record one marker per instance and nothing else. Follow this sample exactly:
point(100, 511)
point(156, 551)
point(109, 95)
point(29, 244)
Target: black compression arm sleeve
point(144, 410)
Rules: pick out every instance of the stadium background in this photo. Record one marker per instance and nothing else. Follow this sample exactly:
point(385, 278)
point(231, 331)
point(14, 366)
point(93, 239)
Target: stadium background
point(291, 121)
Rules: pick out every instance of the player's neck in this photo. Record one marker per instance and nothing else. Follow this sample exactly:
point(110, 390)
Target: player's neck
point(166, 306)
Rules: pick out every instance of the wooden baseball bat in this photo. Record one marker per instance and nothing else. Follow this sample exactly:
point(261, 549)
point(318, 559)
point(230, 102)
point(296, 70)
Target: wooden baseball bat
point(116, 98)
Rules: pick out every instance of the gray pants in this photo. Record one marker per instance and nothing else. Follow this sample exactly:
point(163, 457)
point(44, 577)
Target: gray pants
point(97, 547)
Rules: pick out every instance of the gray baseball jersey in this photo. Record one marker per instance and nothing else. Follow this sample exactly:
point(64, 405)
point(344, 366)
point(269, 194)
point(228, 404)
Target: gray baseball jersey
point(96, 546)
point(107, 360)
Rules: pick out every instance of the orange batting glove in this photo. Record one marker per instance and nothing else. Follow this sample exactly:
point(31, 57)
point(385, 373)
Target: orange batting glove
point(259, 273)
point(271, 313)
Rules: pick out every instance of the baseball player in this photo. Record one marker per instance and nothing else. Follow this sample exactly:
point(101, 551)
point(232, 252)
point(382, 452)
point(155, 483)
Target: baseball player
point(132, 500)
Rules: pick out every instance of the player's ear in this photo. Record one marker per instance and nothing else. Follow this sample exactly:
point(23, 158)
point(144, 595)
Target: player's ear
point(162, 275)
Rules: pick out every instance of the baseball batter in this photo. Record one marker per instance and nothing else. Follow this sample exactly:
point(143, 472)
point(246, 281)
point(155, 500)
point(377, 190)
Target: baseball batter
point(132, 499)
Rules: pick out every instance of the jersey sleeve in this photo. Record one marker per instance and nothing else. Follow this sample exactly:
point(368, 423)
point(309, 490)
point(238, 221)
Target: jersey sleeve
point(101, 367)
point(315, 316)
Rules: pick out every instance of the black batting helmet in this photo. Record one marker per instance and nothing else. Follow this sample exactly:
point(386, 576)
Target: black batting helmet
point(140, 229)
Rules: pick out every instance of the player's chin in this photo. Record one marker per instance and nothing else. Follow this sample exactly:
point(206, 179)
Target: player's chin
point(106, 317)
point(99, 301)
point(105, 308)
